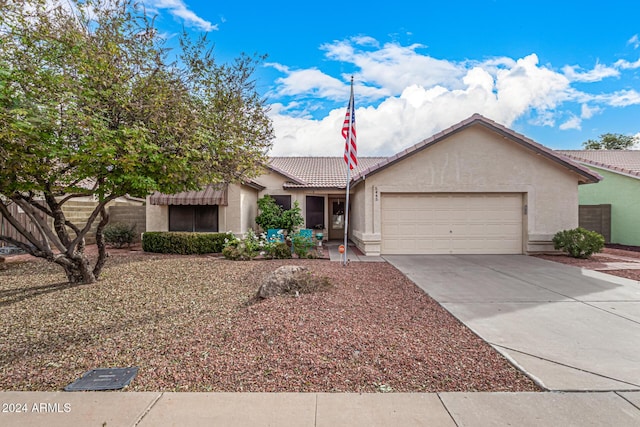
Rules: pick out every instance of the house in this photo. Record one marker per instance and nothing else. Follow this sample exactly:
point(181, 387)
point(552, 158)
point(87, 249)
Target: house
point(477, 187)
point(617, 196)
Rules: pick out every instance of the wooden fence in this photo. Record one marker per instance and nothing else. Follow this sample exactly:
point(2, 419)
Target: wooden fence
point(6, 229)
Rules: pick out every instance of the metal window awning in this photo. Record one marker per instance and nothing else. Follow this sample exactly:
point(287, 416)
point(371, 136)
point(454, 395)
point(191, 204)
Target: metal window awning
point(211, 195)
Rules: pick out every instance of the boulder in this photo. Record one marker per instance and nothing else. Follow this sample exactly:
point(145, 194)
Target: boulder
point(284, 280)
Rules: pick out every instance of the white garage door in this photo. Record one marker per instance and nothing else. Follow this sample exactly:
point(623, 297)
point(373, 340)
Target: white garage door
point(451, 223)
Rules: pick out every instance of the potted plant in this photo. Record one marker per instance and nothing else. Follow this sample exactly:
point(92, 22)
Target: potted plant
point(319, 232)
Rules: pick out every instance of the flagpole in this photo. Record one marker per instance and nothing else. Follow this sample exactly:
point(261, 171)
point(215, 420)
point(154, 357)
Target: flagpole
point(349, 160)
point(346, 212)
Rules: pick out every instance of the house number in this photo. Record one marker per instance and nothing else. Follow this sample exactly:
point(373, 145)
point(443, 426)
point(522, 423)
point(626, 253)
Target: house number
point(376, 193)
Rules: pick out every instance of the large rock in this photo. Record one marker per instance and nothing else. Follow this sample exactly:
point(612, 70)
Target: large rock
point(284, 280)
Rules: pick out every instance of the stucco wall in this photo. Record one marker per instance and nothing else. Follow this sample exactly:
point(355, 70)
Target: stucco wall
point(273, 183)
point(229, 216)
point(623, 194)
point(477, 160)
point(248, 208)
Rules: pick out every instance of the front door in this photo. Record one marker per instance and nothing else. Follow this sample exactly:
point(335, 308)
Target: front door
point(336, 218)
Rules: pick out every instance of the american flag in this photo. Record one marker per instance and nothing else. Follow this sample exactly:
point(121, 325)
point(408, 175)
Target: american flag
point(350, 148)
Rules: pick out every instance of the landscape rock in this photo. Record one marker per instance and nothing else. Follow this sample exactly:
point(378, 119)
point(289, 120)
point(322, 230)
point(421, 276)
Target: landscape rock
point(283, 280)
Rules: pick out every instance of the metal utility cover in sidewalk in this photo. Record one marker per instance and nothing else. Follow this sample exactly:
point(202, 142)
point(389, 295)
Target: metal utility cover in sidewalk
point(103, 379)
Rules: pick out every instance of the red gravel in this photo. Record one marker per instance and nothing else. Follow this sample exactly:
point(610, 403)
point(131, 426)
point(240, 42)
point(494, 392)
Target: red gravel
point(599, 262)
point(185, 322)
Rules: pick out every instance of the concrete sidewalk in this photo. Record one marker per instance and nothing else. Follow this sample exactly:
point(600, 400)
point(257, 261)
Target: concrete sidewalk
point(113, 409)
point(567, 328)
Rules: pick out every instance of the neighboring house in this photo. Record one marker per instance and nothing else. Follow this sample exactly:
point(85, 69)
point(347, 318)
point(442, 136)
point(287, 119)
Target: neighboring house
point(619, 188)
point(476, 187)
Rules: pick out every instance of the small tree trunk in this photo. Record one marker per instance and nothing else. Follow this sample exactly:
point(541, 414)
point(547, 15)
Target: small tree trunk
point(77, 268)
point(102, 248)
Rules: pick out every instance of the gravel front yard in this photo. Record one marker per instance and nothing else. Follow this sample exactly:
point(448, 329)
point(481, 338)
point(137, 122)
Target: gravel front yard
point(185, 322)
point(599, 261)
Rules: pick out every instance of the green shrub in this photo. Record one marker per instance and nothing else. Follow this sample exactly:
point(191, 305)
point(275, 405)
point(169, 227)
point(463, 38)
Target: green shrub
point(302, 245)
point(119, 234)
point(270, 215)
point(236, 253)
point(292, 218)
point(252, 245)
point(273, 216)
point(183, 243)
point(281, 251)
point(242, 250)
point(579, 243)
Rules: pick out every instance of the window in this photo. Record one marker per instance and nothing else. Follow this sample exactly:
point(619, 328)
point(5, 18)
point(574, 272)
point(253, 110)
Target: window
point(283, 201)
point(315, 211)
point(193, 218)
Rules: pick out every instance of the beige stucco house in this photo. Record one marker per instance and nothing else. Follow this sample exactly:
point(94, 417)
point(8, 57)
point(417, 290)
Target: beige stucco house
point(477, 187)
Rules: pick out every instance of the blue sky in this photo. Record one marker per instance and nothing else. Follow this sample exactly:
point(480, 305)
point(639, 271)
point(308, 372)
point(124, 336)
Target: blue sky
point(560, 72)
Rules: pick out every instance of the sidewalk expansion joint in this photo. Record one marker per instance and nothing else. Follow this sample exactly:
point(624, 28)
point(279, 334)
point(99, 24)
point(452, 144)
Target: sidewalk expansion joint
point(315, 417)
point(148, 409)
point(627, 400)
point(570, 367)
point(447, 409)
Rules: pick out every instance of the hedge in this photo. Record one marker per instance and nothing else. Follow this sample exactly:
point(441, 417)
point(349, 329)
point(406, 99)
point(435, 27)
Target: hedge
point(183, 243)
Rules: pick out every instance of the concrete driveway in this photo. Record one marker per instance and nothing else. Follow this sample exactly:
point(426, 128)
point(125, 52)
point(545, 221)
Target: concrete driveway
point(569, 329)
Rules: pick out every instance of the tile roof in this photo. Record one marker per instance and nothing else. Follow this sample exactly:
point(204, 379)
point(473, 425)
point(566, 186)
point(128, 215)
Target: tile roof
point(623, 161)
point(318, 172)
point(587, 175)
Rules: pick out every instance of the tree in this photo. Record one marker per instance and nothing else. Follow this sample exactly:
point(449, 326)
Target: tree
point(90, 105)
point(273, 216)
point(611, 141)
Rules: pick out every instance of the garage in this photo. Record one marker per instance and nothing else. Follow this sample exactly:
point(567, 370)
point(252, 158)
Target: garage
point(452, 223)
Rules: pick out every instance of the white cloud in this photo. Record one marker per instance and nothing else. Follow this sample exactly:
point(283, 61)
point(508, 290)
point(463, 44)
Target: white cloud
point(404, 96)
point(586, 112)
point(634, 41)
point(393, 66)
point(622, 98)
point(574, 122)
point(626, 65)
point(529, 85)
point(309, 82)
point(180, 10)
point(417, 112)
point(598, 73)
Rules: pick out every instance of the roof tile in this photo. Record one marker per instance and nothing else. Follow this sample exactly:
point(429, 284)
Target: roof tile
point(319, 172)
point(624, 161)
